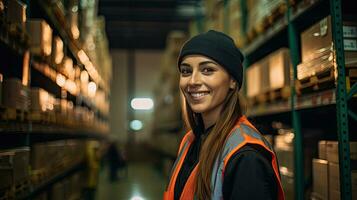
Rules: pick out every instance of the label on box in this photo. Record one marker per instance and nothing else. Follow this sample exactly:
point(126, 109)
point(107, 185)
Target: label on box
point(349, 31)
point(350, 44)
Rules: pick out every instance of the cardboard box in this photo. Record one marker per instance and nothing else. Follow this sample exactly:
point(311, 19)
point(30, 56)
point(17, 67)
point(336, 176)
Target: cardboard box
point(6, 169)
point(332, 151)
point(279, 69)
point(40, 37)
point(322, 149)
point(39, 99)
point(334, 180)
point(253, 80)
point(318, 38)
point(15, 95)
point(284, 149)
point(320, 178)
point(288, 186)
point(16, 13)
point(14, 166)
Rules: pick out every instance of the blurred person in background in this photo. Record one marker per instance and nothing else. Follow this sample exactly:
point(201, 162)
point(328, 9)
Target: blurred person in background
point(223, 156)
point(116, 161)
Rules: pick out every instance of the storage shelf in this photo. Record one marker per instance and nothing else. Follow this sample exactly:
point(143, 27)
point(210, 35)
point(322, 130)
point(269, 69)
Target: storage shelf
point(51, 74)
point(314, 100)
point(73, 45)
point(10, 41)
point(57, 178)
point(276, 35)
point(24, 134)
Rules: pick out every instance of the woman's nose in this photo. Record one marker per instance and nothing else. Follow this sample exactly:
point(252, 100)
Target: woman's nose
point(195, 79)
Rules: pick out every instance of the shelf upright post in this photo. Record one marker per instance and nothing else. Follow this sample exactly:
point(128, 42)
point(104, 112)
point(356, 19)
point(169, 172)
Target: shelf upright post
point(341, 102)
point(226, 14)
point(199, 17)
point(298, 138)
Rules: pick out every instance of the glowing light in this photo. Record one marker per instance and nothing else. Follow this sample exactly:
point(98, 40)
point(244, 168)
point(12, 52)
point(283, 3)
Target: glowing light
point(84, 76)
point(82, 56)
point(142, 103)
point(137, 198)
point(92, 88)
point(60, 80)
point(136, 125)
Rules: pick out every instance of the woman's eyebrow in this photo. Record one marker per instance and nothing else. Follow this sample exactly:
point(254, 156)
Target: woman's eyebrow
point(207, 62)
point(185, 64)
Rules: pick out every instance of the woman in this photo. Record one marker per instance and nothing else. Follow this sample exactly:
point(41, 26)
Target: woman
point(223, 156)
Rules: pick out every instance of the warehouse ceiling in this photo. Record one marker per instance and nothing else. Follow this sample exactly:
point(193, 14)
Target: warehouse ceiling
point(144, 24)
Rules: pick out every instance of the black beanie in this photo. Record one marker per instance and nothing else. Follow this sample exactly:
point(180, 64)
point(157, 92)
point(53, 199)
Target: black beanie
point(220, 48)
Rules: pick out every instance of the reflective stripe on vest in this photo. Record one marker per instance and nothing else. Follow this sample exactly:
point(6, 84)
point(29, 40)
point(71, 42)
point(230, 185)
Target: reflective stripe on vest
point(243, 133)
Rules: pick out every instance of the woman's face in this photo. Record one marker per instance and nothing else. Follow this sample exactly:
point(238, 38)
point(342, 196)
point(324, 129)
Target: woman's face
point(204, 83)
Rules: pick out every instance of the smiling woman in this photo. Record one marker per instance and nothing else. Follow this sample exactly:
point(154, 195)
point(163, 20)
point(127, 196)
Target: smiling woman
point(223, 156)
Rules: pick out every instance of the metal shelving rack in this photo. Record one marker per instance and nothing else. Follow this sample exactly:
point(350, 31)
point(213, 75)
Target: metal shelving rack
point(287, 30)
point(15, 134)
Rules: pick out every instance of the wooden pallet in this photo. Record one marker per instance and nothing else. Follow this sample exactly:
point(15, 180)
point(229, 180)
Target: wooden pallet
point(281, 93)
point(42, 117)
point(325, 80)
point(22, 188)
point(17, 190)
point(38, 176)
point(271, 19)
point(319, 81)
point(13, 114)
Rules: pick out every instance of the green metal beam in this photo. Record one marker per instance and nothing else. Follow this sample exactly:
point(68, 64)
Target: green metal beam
point(352, 92)
point(341, 102)
point(299, 182)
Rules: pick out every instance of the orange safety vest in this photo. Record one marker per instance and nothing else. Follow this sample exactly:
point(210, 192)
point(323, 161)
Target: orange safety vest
point(243, 133)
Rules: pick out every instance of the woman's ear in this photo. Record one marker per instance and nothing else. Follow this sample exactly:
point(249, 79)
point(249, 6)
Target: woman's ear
point(232, 84)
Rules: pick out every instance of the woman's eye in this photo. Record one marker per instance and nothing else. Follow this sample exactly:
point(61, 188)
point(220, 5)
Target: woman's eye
point(185, 71)
point(207, 70)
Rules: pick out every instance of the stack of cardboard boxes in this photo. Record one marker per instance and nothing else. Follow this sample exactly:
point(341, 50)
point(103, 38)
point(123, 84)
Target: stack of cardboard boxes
point(326, 171)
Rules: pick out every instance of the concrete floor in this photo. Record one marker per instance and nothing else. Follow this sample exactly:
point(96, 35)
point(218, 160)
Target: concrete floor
point(143, 182)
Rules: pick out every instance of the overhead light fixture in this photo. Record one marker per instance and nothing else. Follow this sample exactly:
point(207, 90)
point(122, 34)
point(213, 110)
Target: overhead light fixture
point(136, 125)
point(142, 103)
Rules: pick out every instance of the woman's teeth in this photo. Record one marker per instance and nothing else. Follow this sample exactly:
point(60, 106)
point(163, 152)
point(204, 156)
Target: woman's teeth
point(198, 94)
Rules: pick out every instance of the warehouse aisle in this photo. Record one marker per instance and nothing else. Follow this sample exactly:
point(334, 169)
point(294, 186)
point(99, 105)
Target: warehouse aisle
point(144, 182)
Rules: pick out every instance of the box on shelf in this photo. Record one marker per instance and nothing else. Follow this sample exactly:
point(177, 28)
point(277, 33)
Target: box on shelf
point(322, 149)
point(317, 51)
point(15, 94)
point(14, 166)
point(39, 99)
point(334, 180)
point(332, 151)
point(40, 37)
point(320, 178)
point(279, 69)
point(288, 186)
point(284, 149)
point(16, 13)
point(269, 78)
point(6, 169)
point(253, 80)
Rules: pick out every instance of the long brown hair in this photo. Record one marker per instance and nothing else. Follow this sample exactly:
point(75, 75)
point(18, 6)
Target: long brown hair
point(214, 143)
